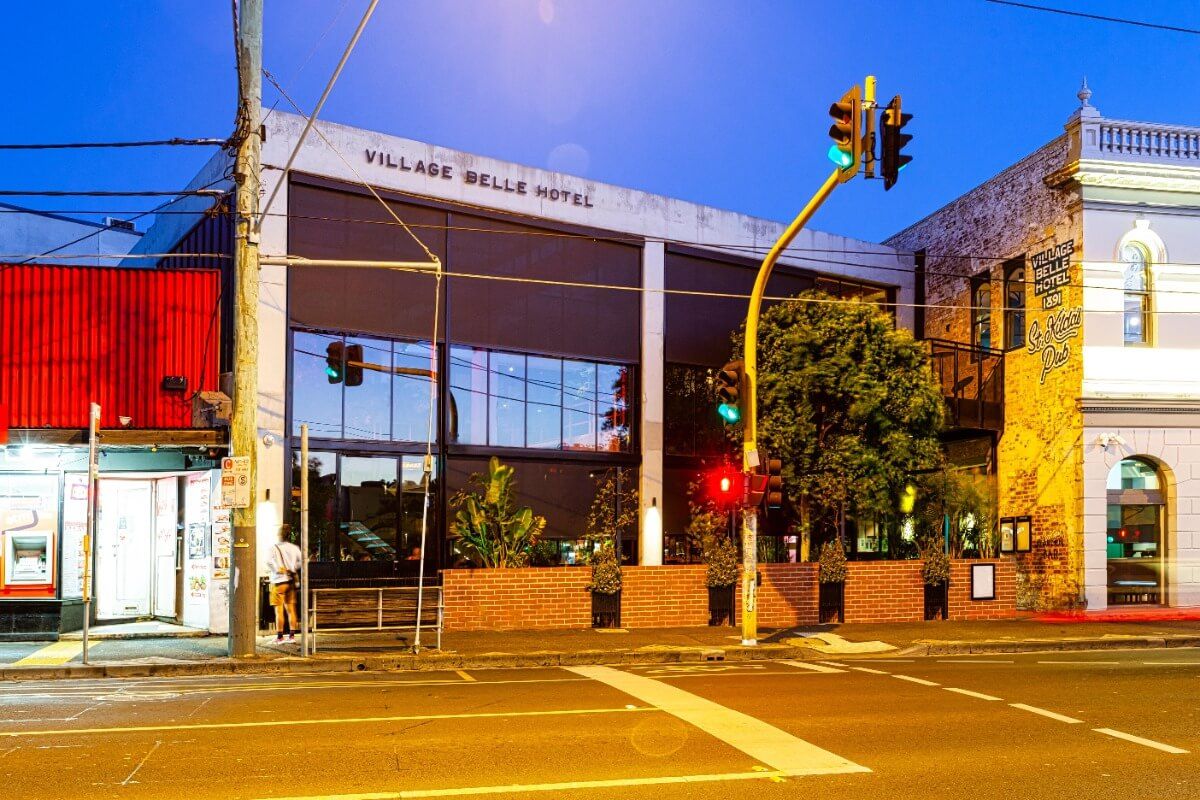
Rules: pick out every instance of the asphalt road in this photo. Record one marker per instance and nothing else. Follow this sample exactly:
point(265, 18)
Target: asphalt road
point(1105, 725)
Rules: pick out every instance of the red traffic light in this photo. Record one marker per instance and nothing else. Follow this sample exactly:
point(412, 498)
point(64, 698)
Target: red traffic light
point(725, 486)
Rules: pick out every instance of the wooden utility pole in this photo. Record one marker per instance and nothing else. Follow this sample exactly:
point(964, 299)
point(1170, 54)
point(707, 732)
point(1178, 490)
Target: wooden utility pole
point(243, 434)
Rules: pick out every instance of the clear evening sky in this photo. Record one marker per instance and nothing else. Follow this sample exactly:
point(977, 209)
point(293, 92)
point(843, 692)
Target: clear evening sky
point(723, 103)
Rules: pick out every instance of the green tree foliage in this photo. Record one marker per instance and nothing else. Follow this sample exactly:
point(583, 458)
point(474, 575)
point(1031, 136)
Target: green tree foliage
point(606, 572)
point(604, 520)
point(487, 527)
point(966, 499)
point(848, 402)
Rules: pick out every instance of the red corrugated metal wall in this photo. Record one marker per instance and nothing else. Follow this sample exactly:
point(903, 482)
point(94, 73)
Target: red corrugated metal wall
point(71, 335)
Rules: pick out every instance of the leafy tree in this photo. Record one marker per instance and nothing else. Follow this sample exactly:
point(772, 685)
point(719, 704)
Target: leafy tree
point(849, 404)
point(604, 520)
point(488, 527)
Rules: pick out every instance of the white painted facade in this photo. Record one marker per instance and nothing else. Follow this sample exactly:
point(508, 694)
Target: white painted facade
point(1140, 183)
point(341, 153)
point(25, 233)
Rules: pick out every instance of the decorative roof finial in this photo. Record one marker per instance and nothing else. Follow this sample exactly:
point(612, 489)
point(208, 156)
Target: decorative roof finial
point(1085, 94)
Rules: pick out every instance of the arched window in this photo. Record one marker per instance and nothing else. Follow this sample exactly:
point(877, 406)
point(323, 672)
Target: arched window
point(1014, 305)
point(981, 315)
point(1136, 260)
point(1136, 542)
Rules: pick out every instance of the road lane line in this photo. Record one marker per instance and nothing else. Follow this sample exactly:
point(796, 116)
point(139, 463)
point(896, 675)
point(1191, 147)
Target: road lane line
point(1092, 663)
point(833, 663)
point(462, 674)
point(1166, 748)
point(766, 744)
point(911, 679)
point(129, 777)
point(871, 671)
point(1043, 712)
point(199, 726)
point(969, 693)
point(966, 660)
point(517, 788)
point(52, 655)
point(814, 667)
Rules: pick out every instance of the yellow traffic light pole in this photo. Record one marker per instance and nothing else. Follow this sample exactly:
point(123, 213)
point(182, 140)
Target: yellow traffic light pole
point(750, 458)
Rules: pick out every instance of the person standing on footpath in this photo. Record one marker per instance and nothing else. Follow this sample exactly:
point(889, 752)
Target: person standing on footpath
point(284, 565)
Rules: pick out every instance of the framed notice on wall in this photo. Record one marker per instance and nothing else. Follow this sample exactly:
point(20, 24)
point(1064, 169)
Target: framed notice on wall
point(983, 581)
point(1007, 535)
point(1023, 536)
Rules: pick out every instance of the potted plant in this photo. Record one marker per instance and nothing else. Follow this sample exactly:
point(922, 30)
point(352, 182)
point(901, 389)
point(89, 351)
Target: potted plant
point(605, 587)
point(721, 576)
point(935, 572)
point(831, 579)
point(488, 528)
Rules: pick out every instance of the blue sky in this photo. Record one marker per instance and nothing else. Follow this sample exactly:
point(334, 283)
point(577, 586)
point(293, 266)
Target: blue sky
point(722, 103)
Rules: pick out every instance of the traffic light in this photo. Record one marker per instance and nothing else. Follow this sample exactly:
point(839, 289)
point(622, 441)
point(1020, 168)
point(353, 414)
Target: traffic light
point(774, 495)
point(892, 121)
point(354, 365)
point(846, 132)
point(731, 380)
point(726, 487)
point(335, 362)
point(908, 499)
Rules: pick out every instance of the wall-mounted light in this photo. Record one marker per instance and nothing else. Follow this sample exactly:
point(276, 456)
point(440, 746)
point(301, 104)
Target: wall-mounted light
point(1105, 439)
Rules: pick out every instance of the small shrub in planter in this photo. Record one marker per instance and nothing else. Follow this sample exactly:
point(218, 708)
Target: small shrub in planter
point(935, 572)
point(605, 587)
point(831, 575)
point(721, 558)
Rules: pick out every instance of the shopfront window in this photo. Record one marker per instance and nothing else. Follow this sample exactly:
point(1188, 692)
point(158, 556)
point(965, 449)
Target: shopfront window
point(1135, 544)
point(390, 404)
point(514, 400)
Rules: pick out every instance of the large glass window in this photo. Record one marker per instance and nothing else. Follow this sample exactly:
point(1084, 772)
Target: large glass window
point(390, 404)
point(513, 400)
point(1014, 306)
point(1135, 546)
point(1137, 294)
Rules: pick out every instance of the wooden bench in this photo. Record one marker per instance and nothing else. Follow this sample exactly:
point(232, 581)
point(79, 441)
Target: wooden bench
point(374, 609)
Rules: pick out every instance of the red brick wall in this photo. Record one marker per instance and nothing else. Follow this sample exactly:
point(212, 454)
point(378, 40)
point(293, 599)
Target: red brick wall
point(675, 596)
point(1003, 607)
point(663, 597)
point(513, 599)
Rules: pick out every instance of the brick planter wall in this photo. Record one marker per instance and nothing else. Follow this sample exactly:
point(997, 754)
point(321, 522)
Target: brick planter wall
point(664, 597)
point(675, 596)
point(1005, 604)
point(517, 599)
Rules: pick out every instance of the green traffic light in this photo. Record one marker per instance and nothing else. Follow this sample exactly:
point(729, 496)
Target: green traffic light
point(731, 414)
point(840, 157)
point(331, 372)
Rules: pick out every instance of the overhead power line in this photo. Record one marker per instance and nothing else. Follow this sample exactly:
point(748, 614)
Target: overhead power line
point(1098, 17)
point(175, 193)
point(176, 142)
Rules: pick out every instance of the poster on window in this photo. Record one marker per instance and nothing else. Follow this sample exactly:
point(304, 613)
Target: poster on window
point(74, 528)
point(1007, 535)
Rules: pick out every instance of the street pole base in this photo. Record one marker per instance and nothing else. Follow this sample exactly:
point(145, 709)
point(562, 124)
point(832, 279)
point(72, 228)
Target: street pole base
point(749, 642)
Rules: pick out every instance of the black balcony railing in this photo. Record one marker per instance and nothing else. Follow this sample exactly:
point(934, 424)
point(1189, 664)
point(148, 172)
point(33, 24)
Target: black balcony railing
point(972, 380)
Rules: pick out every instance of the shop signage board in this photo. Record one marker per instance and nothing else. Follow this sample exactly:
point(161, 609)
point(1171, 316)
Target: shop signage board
point(235, 481)
point(1051, 272)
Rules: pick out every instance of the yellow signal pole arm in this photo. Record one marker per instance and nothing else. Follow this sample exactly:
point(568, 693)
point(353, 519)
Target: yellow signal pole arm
point(750, 358)
point(750, 459)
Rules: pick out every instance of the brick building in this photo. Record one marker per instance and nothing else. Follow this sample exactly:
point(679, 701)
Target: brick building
point(1077, 266)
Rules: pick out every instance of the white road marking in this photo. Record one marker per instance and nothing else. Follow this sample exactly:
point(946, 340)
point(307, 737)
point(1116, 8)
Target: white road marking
point(1043, 712)
point(814, 667)
point(464, 675)
point(146, 758)
point(563, 786)
point(969, 693)
point(887, 660)
point(1172, 663)
point(966, 660)
point(1093, 663)
point(778, 750)
point(911, 679)
point(871, 671)
point(343, 721)
point(833, 663)
point(1166, 748)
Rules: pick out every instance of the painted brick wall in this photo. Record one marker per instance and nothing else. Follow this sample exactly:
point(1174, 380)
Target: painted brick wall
point(1003, 607)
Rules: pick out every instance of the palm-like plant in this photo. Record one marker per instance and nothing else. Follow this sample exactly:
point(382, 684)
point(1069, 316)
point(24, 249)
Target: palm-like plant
point(488, 527)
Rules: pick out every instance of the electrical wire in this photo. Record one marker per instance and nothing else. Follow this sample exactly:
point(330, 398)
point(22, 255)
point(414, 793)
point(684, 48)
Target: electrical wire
point(47, 193)
point(148, 143)
point(1098, 17)
point(311, 52)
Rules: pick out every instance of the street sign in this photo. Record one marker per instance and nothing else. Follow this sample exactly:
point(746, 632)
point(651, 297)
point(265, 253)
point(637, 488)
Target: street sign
point(235, 481)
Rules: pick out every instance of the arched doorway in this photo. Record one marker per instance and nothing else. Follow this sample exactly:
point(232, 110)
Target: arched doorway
point(1136, 538)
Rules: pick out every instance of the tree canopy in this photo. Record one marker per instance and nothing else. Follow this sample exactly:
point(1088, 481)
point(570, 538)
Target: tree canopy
point(847, 402)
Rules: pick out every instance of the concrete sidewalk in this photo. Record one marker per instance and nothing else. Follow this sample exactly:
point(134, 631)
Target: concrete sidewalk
point(487, 649)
